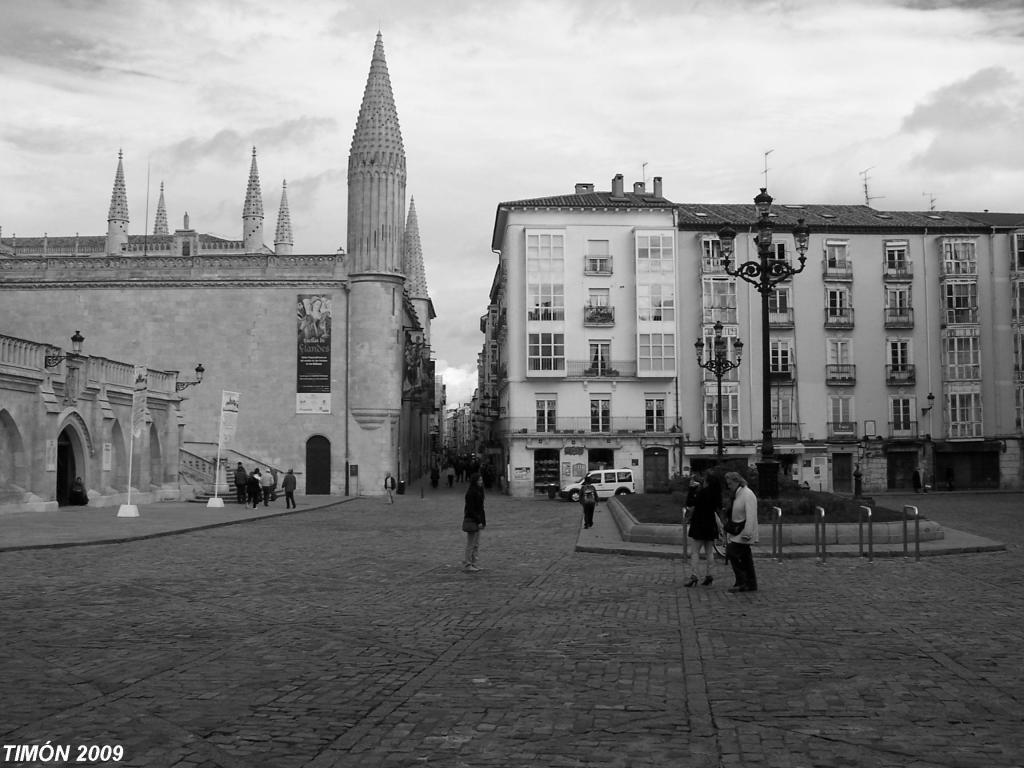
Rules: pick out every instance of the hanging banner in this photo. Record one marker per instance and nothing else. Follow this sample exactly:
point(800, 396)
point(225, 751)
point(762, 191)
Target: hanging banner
point(313, 360)
point(139, 391)
point(228, 417)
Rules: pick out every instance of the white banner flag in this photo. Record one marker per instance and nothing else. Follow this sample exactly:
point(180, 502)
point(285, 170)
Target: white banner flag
point(139, 391)
point(228, 416)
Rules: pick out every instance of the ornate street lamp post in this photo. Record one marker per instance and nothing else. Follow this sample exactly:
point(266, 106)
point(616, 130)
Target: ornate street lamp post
point(719, 365)
point(764, 274)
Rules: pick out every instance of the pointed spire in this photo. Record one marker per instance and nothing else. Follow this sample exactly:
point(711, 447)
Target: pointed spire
point(283, 236)
point(160, 223)
point(376, 177)
point(412, 256)
point(117, 218)
point(252, 210)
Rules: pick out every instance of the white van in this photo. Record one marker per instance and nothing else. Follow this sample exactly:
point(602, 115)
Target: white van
point(608, 482)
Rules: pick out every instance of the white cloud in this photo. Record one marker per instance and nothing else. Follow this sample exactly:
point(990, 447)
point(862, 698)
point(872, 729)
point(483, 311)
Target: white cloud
point(459, 381)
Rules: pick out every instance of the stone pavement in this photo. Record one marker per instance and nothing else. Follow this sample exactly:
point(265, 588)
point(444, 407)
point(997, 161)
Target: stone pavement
point(349, 636)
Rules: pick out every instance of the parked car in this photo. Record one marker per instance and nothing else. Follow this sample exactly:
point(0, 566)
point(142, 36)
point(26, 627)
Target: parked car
point(607, 482)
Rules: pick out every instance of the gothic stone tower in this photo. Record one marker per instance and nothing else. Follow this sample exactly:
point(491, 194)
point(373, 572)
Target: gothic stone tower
point(376, 219)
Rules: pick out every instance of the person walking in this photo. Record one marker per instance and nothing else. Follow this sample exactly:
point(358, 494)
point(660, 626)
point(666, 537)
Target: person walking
point(473, 522)
point(588, 498)
point(252, 488)
point(288, 484)
point(389, 487)
point(449, 472)
point(741, 532)
point(704, 527)
point(267, 486)
point(240, 479)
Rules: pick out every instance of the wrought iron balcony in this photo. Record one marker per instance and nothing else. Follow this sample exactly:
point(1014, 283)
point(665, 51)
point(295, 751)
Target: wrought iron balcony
point(902, 429)
point(832, 269)
point(575, 427)
point(586, 369)
point(785, 430)
point(839, 317)
point(898, 272)
point(899, 375)
point(899, 317)
point(781, 318)
point(781, 375)
point(840, 374)
point(598, 315)
point(968, 315)
point(597, 265)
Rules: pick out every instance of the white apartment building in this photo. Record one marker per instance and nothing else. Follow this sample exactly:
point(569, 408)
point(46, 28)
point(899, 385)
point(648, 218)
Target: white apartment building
point(887, 352)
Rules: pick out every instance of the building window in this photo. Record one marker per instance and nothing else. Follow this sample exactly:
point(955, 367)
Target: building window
point(730, 412)
point(780, 304)
point(546, 301)
point(898, 352)
point(964, 414)
point(784, 424)
point(711, 247)
point(545, 253)
point(655, 302)
point(654, 253)
point(657, 352)
point(959, 257)
point(600, 359)
point(546, 352)
point(901, 416)
point(838, 302)
point(654, 414)
point(961, 302)
point(546, 413)
point(839, 352)
point(896, 262)
point(1017, 302)
point(719, 300)
point(837, 255)
point(781, 356)
point(1018, 252)
point(840, 416)
point(962, 357)
point(600, 414)
point(598, 297)
point(597, 259)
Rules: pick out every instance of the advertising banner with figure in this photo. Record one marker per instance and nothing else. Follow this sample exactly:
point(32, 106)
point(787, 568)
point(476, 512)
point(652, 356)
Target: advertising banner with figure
point(228, 417)
point(313, 362)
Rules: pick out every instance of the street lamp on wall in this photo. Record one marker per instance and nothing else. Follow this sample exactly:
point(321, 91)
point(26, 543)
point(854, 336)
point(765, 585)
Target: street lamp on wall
point(764, 274)
point(719, 364)
point(51, 361)
point(181, 386)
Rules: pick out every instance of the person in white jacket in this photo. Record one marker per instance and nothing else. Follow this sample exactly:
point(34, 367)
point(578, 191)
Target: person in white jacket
point(737, 549)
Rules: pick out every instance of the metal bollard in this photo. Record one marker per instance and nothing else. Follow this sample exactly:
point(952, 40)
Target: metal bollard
point(777, 533)
point(860, 531)
point(917, 536)
point(820, 516)
point(871, 536)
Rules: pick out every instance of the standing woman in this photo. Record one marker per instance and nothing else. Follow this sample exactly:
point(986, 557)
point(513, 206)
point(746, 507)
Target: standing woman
point(741, 532)
point(474, 521)
point(704, 527)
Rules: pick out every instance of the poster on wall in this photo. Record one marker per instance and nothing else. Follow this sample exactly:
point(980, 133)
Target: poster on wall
point(313, 361)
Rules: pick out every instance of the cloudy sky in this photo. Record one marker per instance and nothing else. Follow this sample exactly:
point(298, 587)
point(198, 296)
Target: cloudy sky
point(501, 101)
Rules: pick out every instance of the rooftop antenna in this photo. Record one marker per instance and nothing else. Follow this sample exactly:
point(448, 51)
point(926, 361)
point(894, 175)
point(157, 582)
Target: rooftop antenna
point(931, 200)
point(643, 173)
point(145, 224)
point(766, 167)
point(867, 197)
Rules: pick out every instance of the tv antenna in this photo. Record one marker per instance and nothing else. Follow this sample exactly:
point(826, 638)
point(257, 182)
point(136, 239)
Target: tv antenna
point(931, 200)
point(867, 196)
point(766, 167)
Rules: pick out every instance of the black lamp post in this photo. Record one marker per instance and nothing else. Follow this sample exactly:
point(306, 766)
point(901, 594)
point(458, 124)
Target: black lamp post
point(719, 365)
point(764, 274)
point(52, 361)
point(181, 386)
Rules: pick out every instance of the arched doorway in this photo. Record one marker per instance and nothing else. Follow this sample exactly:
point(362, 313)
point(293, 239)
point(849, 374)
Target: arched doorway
point(318, 465)
point(70, 464)
point(12, 455)
point(156, 463)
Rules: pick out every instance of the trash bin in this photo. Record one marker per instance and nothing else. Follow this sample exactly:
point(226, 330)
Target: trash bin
point(552, 490)
point(401, 486)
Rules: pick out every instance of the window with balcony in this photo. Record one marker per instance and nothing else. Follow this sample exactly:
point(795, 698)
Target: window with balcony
point(898, 313)
point(1017, 301)
point(655, 302)
point(783, 407)
point(719, 300)
point(838, 308)
point(600, 414)
point(898, 368)
point(840, 417)
point(546, 412)
point(1018, 252)
point(837, 259)
point(780, 307)
point(598, 310)
point(959, 256)
point(965, 417)
point(897, 261)
point(545, 266)
point(597, 258)
point(730, 412)
point(655, 253)
point(781, 360)
point(600, 358)
point(961, 357)
point(546, 352)
point(901, 417)
point(711, 261)
point(839, 368)
point(657, 353)
point(960, 302)
point(654, 414)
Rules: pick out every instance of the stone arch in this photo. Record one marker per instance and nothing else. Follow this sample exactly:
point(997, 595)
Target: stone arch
point(74, 447)
point(118, 479)
point(13, 463)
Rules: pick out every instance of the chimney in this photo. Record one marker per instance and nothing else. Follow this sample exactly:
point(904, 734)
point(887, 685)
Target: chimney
point(657, 187)
point(617, 186)
point(584, 187)
point(638, 187)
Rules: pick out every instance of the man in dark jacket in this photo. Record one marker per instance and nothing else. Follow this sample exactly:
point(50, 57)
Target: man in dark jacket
point(289, 490)
point(240, 479)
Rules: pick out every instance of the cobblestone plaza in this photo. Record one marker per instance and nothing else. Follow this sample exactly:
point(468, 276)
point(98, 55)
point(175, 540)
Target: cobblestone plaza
point(349, 636)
